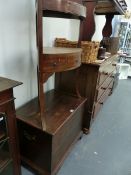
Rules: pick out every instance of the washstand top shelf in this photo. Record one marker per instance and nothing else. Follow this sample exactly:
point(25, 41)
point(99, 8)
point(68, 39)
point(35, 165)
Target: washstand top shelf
point(73, 9)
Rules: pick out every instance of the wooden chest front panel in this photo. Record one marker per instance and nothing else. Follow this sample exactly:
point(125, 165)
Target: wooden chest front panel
point(46, 152)
point(35, 146)
point(65, 137)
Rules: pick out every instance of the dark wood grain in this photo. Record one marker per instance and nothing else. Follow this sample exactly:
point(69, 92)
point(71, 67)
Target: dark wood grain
point(60, 59)
point(4, 159)
point(107, 29)
point(89, 22)
point(7, 108)
point(64, 124)
point(55, 60)
point(2, 134)
point(58, 106)
point(93, 81)
point(3, 131)
point(50, 124)
point(75, 8)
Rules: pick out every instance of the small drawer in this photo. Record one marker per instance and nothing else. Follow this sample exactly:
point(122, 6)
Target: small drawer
point(105, 72)
point(60, 63)
point(101, 101)
point(108, 82)
point(102, 77)
point(104, 96)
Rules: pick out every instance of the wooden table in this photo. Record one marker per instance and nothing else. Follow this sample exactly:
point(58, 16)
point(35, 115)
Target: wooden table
point(7, 110)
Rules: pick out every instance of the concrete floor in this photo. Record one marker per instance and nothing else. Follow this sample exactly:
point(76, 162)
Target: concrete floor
point(107, 149)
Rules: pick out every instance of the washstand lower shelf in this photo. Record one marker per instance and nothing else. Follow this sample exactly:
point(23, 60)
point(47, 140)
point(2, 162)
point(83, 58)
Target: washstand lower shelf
point(44, 151)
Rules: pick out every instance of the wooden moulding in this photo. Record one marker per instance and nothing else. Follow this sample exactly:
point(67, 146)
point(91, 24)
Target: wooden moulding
point(44, 151)
point(65, 6)
point(108, 6)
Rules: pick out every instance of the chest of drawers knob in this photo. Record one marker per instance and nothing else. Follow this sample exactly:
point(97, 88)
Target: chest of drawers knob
point(54, 64)
point(103, 88)
point(114, 64)
point(105, 73)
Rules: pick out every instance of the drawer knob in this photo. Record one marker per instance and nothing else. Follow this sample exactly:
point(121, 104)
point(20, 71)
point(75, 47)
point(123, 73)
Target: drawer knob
point(76, 61)
point(114, 64)
point(103, 88)
point(112, 76)
point(105, 73)
point(54, 64)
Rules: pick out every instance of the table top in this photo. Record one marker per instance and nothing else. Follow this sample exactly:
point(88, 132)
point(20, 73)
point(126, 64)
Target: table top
point(6, 84)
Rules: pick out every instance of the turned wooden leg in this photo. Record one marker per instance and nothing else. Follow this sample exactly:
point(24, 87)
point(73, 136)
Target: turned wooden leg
point(86, 131)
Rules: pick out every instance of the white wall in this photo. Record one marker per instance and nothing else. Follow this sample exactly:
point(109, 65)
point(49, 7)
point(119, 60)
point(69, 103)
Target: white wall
point(18, 55)
point(58, 27)
point(129, 4)
point(17, 46)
